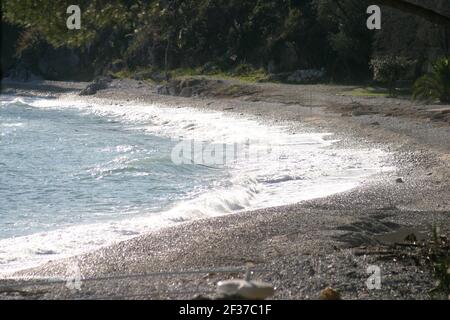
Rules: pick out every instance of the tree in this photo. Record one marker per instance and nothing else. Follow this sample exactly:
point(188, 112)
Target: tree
point(49, 19)
point(435, 85)
point(348, 36)
point(408, 7)
point(389, 69)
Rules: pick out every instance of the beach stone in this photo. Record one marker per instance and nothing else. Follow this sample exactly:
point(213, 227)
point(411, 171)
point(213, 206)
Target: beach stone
point(252, 289)
point(329, 294)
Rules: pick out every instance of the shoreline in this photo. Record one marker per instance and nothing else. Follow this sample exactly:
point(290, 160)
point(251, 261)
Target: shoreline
point(299, 242)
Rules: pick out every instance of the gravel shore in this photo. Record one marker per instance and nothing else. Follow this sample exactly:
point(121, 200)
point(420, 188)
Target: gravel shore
point(300, 248)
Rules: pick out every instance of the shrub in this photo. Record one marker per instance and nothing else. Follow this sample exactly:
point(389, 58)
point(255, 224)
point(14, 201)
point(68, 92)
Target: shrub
point(243, 69)
point(389, 69)
point(435, 85)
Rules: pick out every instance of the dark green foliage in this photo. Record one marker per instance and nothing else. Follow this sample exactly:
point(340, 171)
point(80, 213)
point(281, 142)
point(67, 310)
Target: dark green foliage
point(276, 35)
point(9, 36)
point(435, 85)
point(348, 37)
point(188, 33)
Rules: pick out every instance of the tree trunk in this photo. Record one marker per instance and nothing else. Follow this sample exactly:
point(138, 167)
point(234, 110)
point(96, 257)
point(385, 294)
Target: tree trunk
point(166, 60)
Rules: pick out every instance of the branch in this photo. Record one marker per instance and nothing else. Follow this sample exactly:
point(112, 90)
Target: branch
point(425, 13)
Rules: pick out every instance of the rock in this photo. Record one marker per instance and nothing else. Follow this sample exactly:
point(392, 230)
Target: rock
point(189, 83)
point(158, 76)
point(186, 92)
point(185, 88)
point(22, 74)
point(162, 90)
point(399, 180)
point(278, 76)
point(89, 90)
point(153, 75)
point(141, 75)
point(98, 84)
point(173, 88)
point(411, 238)
point(253, 290)
point(306, 76)
point(329, 294)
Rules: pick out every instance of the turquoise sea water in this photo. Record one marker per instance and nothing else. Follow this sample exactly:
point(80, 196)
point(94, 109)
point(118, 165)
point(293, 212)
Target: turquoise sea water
point(77, 175)
point(60, 168)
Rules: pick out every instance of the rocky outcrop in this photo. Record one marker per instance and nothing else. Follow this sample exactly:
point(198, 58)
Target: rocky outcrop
point(22, 74)
point(156, 76)
point(305, 76)
point(186, 87)
point(99, 83)
point(203, 87)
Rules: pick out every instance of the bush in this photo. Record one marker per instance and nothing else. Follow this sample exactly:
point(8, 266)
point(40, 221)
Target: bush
point(389, 69)
point(435, 85)
point(243, 69)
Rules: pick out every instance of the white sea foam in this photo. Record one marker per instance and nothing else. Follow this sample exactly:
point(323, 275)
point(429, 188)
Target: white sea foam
point(299, 167)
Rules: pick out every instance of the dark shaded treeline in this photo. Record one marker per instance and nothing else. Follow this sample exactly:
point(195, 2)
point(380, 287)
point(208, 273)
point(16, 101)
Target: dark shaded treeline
point(277, 36)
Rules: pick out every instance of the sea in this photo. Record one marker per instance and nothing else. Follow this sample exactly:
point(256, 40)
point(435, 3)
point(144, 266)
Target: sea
point(76, 176)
